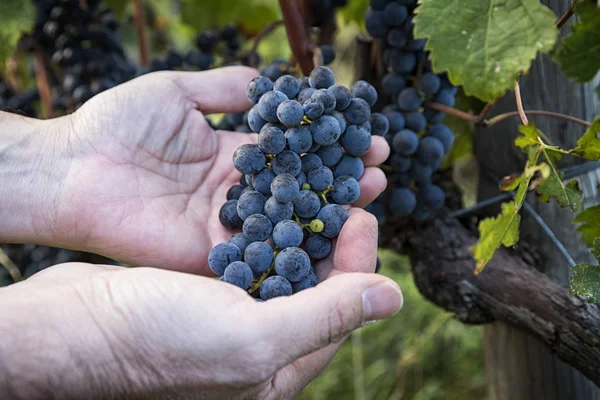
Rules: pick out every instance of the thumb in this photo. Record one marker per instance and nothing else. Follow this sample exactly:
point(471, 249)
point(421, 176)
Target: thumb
point(316, 317)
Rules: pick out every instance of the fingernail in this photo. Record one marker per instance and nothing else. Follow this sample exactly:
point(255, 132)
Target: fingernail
point(381, 301)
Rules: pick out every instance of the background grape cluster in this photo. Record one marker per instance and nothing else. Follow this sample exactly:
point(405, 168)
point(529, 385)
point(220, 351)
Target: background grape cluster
point(417, 137)
point(295, 181)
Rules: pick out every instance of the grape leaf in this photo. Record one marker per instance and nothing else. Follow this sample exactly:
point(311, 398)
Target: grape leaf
point(568, 195)
point(585, 280)
point(590, 224)
point(588, 146)
point(579, 53)
point(529, 136)
point(16, 17)
point(484, 44)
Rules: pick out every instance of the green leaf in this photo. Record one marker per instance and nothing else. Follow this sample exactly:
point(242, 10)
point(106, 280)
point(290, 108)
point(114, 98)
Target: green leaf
point(590, 224)
point(585, 280)
point(529, 136)
point(355, 11)
point(567, 196)
point(496, 231)
point(16, 17)
point(588, 146)
point(579, 53)
point(484, 44)
point(463, 131)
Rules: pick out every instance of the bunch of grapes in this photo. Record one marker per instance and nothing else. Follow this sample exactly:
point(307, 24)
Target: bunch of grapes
point(23, 103)
point(417, 137)
point(295, 181)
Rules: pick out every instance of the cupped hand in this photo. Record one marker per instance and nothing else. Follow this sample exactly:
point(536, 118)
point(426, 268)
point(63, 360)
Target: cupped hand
point(148, 175)
point(112, 332)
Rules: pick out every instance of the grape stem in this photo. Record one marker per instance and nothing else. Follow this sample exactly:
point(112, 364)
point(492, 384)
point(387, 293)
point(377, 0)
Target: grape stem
point(298, 36)
point(140, 28)
point(10, 267)
point(262, 278)
point(266, 31)
point(519, 101)
point(566, 16)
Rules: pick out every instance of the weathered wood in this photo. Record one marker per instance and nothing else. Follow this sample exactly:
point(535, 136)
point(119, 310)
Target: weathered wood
point(519, 366)
point(511, 291)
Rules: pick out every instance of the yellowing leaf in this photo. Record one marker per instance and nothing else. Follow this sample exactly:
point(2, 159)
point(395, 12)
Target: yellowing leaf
point(484, 44)
point(585, 280)
point(496, 231)
point(569, 195)
point(529, 136)
point(588, 146)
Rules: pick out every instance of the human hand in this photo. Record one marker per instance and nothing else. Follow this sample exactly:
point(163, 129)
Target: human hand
point(147, 175)
point(111, 332)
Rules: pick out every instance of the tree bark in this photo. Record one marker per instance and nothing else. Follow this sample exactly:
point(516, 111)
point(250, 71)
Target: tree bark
point(519, 366)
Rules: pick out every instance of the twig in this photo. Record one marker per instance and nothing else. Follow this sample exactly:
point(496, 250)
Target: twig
point(504, 116)
point(566, 16)
point(484, 112)
point(140, 28)
point(520, 104)
point(266, 31)
point(10, 266)
point(297, 33)
point(41, 79)
point(452, 111)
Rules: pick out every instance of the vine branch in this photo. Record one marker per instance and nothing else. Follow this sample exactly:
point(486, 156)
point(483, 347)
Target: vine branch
point(297, 33)
point(520, 104)
point(41, 78)
point(502, 117)
point(140, 28)
point(566, 16)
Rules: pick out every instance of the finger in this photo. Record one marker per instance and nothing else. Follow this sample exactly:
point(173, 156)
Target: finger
point(372, 183)
point(220, 90)
point(318, 317)
point(378, 153)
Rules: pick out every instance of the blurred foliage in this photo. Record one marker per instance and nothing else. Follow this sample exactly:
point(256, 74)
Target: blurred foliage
point(421, 353)
point(16, 16)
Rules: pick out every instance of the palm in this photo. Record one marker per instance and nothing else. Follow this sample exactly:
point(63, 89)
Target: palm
point(157, 174)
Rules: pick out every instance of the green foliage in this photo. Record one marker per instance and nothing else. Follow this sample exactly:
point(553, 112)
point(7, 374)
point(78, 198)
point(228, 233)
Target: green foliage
point(421, 353)
point(585, 280)
point(463, 132)
point(355, 11)
point(16, 17)
point(579, 53)
point(590, 223)
point(484, 44)
point(588, 146)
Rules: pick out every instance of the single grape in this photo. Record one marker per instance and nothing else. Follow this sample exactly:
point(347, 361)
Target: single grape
point(328, 53)
point(268, 103)
point(320, 178)
point(400, 163)
point(277, 211)
point(302, 179)
point(293, 264)
point(345, 190)
point(358, 112)
point(257, 227)
point(255, 121)
point(327, 98)
point(365, 91)
point(288, 85)
point(310, 161)
point(258, 87)
point(275, 286)
point(415, 121)
point(443, 134)
point(349, 165)
point(313, 108)
point(356, 140)
point(393, 83)
point(379, 124)
point(399, 61)
point(432, 196)
point(305, 94)
point(321, 77)
point(409, 99)
point(429, 83)
point(228, 215)
point(248, 159)
point(334, 217)
point(431, 150)
point(251, 202)
point(303, 83)
point(285, 188)
point(396, 38)
point(331, 155)
point(262, 181)
point(433, 116)
point(290, 113)
point(396, 120)
point(287, 162)
point(342, 95)
point(307, 204)
point(446, 97)
point(375, 23)
point(234, 192)
point(238, 273)
point(402, 202)
point(287, 234)
point(309, 282)
point(222, 255)
point(259, 256)
point(405, 142)
point(326, 130)
point(240, 240)
point(339, 117)
point(318, 246)
point(395, 14)
point(299, 139)
point(421, 173)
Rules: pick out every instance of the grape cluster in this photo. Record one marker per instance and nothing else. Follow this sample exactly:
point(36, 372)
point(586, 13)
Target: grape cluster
point(417, 137)
point(322, 10)
point(295, 181)
point(22, 103)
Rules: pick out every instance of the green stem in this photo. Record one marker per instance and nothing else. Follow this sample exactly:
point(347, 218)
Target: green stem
point(262, 278)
